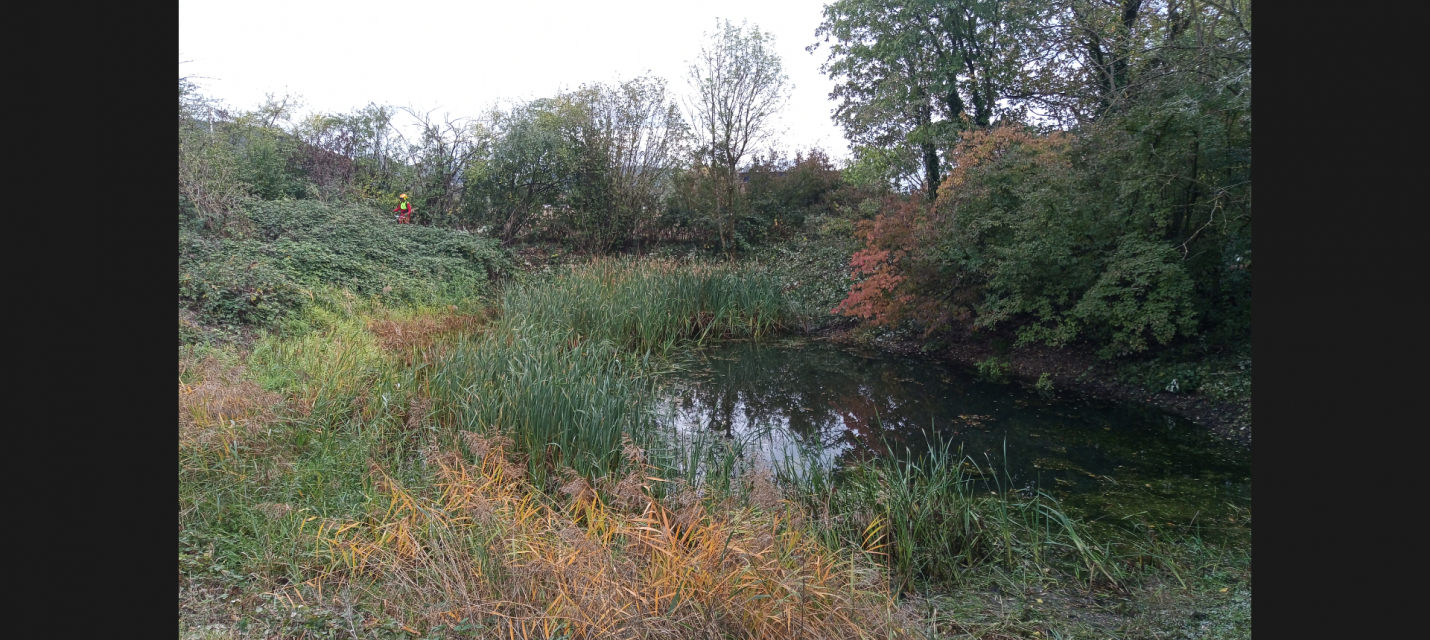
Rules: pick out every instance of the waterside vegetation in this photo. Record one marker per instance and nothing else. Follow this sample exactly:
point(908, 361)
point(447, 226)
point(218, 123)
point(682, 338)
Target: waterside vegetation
point(422, 472)
point(452, 428)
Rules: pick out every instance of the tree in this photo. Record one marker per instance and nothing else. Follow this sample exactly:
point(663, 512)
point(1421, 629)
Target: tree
point(530, 166)
point(594, 164)
point(908, 69)
point(267, 152)
point(1084, 59)
point(439, 158)
point(350, 155)
point(1128, 229)
point(629, 139)
point(739, 87)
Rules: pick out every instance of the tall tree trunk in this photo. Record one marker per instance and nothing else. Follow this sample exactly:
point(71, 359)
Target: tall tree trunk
point(982, 111)
point(931, 177)
point(1101, 72)
point(1124, 43)
point(930, 152)
point(953, 101)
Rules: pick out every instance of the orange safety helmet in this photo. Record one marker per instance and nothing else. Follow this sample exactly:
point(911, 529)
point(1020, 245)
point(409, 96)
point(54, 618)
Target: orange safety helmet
point(403, 196)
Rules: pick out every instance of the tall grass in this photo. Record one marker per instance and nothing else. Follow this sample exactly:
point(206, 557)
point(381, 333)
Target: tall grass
point(564, 404)
point(651, 306)
point(938, 515)
point(567, 371)
point(511, 476)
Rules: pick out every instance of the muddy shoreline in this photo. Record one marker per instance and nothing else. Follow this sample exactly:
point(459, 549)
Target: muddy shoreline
point(1069, 370)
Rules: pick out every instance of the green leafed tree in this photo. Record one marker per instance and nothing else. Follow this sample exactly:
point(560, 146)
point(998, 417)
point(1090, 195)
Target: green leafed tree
point(1116, 213)
point(530, 165)
point(912, 73)
point(629, 140)
point(350, 155)
point(592, 166)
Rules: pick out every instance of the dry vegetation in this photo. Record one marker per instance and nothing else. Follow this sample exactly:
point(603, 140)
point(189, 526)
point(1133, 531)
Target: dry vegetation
point(488, 546)
point(219, 407)
point(392, 516)
point(412, 337)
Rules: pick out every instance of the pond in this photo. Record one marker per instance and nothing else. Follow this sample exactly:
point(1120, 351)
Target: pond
point(1102, 460)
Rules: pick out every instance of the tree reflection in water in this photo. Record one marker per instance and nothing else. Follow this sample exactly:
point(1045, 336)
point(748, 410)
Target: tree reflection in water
point(850, 405)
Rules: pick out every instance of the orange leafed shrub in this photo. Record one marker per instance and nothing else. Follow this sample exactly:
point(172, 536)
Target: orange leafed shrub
point(979, 148)
point(899, 274)
point(887, 239)
point(891, 271)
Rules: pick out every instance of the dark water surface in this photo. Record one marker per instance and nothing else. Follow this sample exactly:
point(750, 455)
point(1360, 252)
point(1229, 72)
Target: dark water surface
point(1104, 460)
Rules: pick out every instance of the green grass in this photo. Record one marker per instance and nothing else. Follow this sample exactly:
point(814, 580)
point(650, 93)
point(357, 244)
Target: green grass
point(569, 372)
point(984, 559)
point(940, 516)
point(651, 307)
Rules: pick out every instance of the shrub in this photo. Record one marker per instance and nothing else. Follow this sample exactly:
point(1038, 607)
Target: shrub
point(257, 279)
point(1044, 385)
point(993, 370)
point(770, 202)
point(1028, 232)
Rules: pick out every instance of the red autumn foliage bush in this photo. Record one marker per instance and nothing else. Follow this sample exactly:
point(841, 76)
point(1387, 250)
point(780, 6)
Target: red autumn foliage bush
point(876, 270)
point(1040, 232)
point(901, 274)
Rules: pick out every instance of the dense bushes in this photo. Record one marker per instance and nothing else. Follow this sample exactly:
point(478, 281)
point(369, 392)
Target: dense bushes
point(293, 247)
point(1124, 222)
point(1067, 238)
point(602, 168)
point(770, 204)
point(1098, 190)
point(590, 166)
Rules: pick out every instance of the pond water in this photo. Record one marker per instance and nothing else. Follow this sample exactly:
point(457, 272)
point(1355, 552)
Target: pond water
point(1103, 460)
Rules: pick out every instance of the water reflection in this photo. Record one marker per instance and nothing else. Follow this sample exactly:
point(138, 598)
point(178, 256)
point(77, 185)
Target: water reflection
point(850, 405)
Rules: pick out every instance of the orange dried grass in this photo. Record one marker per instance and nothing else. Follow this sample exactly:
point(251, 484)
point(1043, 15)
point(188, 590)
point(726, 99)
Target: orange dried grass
point(413, 336)
point(592, 569)
point(221, 407)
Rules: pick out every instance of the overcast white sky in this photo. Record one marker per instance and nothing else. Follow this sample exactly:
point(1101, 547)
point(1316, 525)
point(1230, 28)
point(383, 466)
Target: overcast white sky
point(461, 57)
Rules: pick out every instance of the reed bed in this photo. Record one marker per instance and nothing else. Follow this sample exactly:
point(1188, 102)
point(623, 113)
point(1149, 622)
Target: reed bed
point(652, 306)
point(925, 515)
point(563, 403)
point(941, 517)
point(567, 371)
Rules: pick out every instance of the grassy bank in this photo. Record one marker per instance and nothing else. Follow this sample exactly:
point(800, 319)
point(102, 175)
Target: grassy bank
point(415, 473)
point(276, 258)
point(492, 466)
point(978, 557)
